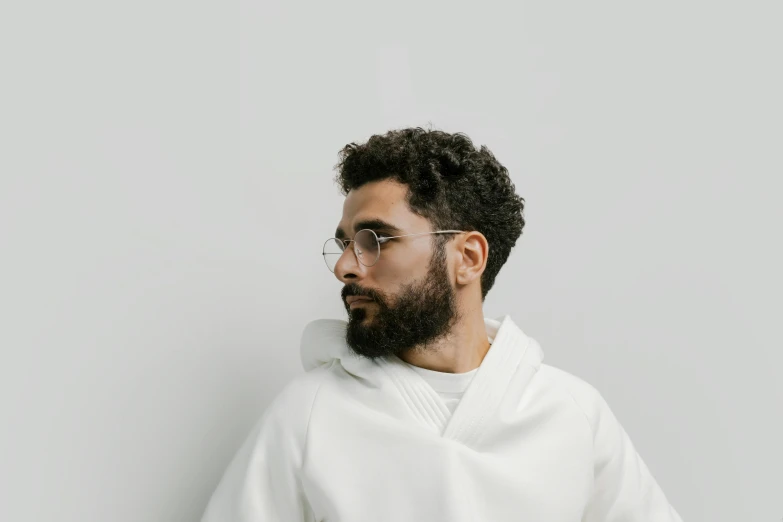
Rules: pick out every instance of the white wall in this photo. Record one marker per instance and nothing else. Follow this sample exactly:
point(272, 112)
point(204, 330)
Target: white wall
point(166, 186)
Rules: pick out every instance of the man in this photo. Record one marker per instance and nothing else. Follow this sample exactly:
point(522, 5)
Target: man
point(418, 408)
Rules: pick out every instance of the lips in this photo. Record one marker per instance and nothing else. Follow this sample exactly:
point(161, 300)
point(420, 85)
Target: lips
point(356, 298)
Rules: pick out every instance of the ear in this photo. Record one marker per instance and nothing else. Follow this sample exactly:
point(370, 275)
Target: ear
point(471, 257)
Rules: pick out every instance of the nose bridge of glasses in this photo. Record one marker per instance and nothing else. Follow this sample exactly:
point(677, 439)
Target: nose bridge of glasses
point(366, 250)
point(349, 245)
point(362, 251)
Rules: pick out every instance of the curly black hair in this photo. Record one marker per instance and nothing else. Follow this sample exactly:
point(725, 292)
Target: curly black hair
point(450, 183)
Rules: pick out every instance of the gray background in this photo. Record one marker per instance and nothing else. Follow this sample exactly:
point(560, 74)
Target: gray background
point(166, 186)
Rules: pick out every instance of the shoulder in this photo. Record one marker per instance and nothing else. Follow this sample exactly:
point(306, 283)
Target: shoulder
point(283, 425)
point(583, 394)
point(285, 421)
point(293, 403)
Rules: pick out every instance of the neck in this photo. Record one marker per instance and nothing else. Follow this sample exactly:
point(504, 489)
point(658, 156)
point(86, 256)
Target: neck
point(462, 350)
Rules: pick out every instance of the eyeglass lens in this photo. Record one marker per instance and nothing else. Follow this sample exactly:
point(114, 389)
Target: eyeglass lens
point(365, 244)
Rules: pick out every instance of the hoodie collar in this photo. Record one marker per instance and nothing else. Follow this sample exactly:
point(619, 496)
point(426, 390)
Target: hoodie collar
point(323, 341)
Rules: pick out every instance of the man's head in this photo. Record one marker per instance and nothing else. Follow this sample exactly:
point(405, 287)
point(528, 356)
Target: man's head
point(420, 181)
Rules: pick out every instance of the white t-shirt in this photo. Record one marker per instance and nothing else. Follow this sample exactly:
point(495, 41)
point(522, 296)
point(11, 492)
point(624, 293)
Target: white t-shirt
point(450, 386)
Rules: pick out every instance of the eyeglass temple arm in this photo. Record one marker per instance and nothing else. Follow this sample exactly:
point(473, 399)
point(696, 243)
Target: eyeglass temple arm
point(424, 233)
point(346, 241)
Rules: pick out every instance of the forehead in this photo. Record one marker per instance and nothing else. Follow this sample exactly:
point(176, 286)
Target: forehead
point(384, 200)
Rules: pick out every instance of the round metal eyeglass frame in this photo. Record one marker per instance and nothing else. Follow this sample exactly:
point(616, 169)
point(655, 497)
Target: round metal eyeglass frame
point(378, 242)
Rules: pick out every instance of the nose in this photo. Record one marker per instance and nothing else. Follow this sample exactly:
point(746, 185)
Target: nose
point(348, 268)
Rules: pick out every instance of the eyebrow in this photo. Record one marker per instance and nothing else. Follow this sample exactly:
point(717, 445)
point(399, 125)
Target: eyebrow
point(372, 224)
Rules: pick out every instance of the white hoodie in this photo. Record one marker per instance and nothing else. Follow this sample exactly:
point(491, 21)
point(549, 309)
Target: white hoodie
point(356, 440)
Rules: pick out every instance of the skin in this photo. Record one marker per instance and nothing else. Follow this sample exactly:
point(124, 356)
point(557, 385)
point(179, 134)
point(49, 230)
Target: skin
point(404, 269)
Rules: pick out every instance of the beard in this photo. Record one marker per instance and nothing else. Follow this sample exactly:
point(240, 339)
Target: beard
point(422, 312)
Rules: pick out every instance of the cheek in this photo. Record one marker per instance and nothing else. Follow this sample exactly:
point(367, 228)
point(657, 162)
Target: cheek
point(400, 268)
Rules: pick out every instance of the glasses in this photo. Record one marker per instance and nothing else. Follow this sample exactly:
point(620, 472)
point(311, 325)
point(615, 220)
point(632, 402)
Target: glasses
point(366, 246)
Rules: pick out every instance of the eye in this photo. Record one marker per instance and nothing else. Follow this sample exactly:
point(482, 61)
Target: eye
point(382, 238)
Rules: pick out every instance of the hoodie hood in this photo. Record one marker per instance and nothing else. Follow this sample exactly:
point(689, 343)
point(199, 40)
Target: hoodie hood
point(323, 341)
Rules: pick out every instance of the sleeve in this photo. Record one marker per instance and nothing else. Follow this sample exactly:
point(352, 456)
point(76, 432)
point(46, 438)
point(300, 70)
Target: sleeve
point(624, 489)
point(262, 483)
